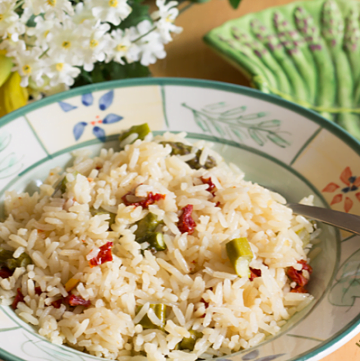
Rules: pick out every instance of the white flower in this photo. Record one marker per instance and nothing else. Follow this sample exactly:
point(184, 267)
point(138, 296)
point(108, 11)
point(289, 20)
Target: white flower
point(60, 72)
point(10, 25)
point(42, 30)
point(52, 8)
point(83, 12)
point(65, 40)
point(94, 43)
point(28, 64)
point(111, 11)
point(151, 45)
point(165, 18)
point(123, 47)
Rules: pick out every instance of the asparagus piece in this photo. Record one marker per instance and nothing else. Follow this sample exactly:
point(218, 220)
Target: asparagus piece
point(7, 259)
point(156, 241)
point(333, 33)
point(264, 55)
point(294, 44)
point(352, 41)
point(251, 64)
point(188, 343)
point(100, 211)
point(240, 256)
point(325, 68)
point(179, 148)
point(141, 130)
point(160, 311)
point(271, 41)
point(145, 226)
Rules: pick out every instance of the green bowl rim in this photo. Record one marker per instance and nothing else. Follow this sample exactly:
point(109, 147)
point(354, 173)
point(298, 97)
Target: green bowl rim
point(312, 115)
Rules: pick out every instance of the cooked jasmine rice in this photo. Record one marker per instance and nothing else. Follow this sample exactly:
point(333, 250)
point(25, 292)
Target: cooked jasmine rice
point(65, 232)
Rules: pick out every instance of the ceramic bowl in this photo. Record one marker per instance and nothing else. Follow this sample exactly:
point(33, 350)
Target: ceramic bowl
point(276, 143)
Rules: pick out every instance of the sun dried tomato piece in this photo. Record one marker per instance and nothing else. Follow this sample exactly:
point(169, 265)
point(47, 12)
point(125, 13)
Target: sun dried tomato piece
point(18, 298)
point(306, 266)
point(186, 223)
point(255, 273)
point(57, 303)
point(299, 289)
point(77, 301)
point(212, 187)
point(103, 256)
point(143, 202)
point(38, 291)
point(297, 276)
point(5, 272)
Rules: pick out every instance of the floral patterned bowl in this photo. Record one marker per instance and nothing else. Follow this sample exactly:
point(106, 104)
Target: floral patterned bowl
point(278, 144)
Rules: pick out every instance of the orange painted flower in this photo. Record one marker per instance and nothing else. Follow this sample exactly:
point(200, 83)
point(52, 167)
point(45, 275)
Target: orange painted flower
point(352, 184)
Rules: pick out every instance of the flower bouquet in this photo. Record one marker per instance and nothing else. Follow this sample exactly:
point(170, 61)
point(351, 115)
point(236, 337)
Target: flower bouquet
point(47, 46)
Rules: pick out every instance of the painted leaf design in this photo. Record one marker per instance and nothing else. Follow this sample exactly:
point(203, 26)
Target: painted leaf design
point(106, 100)
point(337, 199)
point(254, 116)
point(234, 112)
point(219, 129)
point(347, 287)
point(251, 355)
point(99, 133)
point(331, 187)
point(66, 107)
point(10, 165)
point(215, 106)
point(348, 204)
point(254, 134)
point(270, 358)
point(5, 139)
point(201, 124)
point(87, 99)
point(237, 133)
point(43, 350)
point(79, 130)
point(112, 118)
point(278, 140)
point(270, 124)
point(345, 175)
point(357, 195)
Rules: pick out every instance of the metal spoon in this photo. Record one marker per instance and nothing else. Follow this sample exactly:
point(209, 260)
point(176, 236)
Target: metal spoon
point(346, 221)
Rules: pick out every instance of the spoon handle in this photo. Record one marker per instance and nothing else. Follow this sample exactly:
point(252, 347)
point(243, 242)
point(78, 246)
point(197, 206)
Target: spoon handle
point(346, 221)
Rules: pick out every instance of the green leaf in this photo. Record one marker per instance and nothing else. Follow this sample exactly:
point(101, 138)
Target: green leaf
point(235, 3)
point(254, 116)
point(139, 13)
point(111, 71)
point(234, 112)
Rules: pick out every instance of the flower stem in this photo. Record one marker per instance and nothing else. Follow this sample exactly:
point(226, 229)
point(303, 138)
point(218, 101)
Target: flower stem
point(188, 6)
point(20, 3)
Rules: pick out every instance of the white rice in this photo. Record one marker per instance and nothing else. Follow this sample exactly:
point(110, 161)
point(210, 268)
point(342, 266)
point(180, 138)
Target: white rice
point(193, 277)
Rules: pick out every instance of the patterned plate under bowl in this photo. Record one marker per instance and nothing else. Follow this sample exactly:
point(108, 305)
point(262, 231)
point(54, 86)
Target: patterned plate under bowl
point(278, 144)
point(307, 52)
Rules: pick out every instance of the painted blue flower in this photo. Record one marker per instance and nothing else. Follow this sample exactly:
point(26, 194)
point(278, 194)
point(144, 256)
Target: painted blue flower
point(104, 103)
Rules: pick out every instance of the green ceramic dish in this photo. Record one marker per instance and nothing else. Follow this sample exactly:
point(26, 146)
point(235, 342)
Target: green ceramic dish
point(306, 52)
point(277, 143)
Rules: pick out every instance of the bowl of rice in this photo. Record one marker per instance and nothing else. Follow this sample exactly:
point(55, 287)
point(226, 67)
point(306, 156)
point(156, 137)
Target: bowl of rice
point(147, 220)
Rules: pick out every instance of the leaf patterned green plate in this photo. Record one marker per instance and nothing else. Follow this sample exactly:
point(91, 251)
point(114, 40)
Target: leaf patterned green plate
point(307, 52)
point(276, 143)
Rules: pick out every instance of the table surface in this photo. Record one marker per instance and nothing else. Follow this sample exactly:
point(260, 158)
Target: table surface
point(188, 56)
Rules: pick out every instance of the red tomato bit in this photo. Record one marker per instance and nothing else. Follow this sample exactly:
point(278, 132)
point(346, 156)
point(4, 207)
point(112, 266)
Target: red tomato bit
point(186, 223)
point(297, 276)
point(57, 303)
point(143, 202)
point(18, 298)
point(299, 289)
point(255, 273)
point(211, 188)
point(103, 256)
point(5, 272)
point(38, 291)
point(77, 301)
